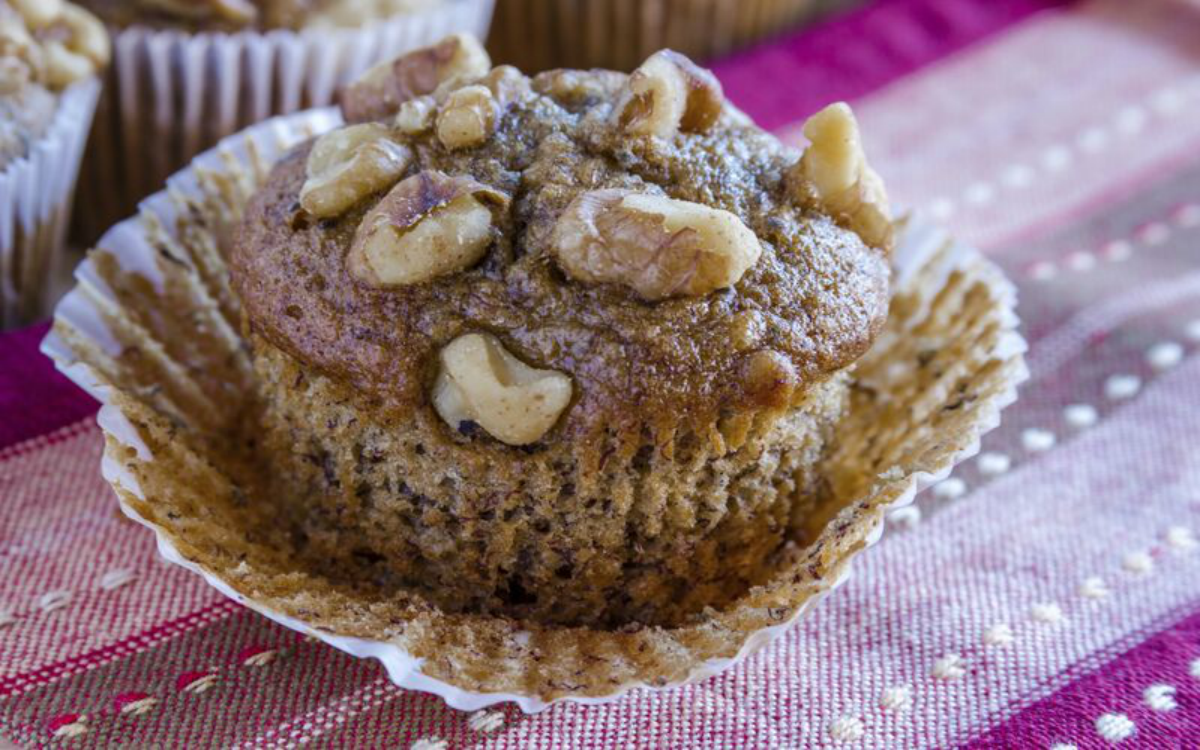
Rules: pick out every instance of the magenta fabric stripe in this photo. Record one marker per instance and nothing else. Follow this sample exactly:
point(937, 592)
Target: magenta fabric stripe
point(780, 83)
point(34, 397)
point(1155, 687)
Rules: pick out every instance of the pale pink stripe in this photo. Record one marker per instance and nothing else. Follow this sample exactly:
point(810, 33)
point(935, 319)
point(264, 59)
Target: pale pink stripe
point(1104, 93)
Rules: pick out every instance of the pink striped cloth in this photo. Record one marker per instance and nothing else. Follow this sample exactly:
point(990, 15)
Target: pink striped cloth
point(1046, 595)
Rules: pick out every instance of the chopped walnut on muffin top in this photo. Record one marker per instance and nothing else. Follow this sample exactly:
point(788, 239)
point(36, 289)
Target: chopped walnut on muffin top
point(621, 246)
point(232, 15)
point(45, 46)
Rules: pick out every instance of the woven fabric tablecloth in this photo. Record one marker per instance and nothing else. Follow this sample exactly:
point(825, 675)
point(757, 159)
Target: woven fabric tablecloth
point(1046, 595)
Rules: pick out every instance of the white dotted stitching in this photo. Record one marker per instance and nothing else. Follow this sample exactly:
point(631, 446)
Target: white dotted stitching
point(1036, 440)
point(1187, 216)
point(1138, 562)
point(941, 209)
point(1181, 538)
point(1115, 727)
point(53, 600)
point(486, 721)
point(949, 667)
point(1153, 233)
point(950, 489)
point(1164, 355)
point(846, 729)
point(1192, 330)
point(1131, 119)
point(1093, 588)
point(897, 698)
point(1081, 416)
point(993, 464)
point(906, 518)
point(1119, 387)
point(1063, 746)
point(1056, 158)
point(1160, 697)
point(1081, 261)
point(999, 634)
point(1194, 668)
point(1047, 613)
point(979, 193)
point(115, 579)
point(1043, 270)
point(430, 743)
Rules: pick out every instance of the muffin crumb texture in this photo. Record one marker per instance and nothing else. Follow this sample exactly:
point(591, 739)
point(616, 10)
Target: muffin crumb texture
point(563, 349)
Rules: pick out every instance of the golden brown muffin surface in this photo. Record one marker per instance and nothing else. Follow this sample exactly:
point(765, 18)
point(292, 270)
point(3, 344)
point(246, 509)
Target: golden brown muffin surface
point(813, 301)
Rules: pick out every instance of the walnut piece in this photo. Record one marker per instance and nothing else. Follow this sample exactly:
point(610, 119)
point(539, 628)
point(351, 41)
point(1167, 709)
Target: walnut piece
point(415, 116)
point(348, 164)
point(658, 246)
point(467, 118)
point(70, 45)
point(835, 166)
point(381, 90)
point(38, 14)
point(668, 94)
point(427, 226)
point(482, 382)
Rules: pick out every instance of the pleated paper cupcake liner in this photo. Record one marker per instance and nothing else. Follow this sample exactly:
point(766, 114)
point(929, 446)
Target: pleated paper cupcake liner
point(35, 207)
point(152, 331)
point(171, 94)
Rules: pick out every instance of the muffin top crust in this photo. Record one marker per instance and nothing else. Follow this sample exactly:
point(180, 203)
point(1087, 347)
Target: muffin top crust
point(636, 235)
point(45, 46)
point(235, 15)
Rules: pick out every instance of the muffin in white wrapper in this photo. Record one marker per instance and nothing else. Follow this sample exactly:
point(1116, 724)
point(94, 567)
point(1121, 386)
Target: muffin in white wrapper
point(152, 330)
point(36, 193)
point(172, 93)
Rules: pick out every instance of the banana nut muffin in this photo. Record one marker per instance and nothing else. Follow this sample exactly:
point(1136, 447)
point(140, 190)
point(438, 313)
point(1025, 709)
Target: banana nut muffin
point(563, 348)
point(234, 15)
point(45, 46)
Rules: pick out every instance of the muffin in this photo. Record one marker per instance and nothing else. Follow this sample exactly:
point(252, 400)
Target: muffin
point(49, 55)
point(564, 349)
point(190, 72)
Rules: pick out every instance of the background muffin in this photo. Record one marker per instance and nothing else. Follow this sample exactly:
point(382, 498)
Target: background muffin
point(49, 55)
point(189, 72)
point(600, 400)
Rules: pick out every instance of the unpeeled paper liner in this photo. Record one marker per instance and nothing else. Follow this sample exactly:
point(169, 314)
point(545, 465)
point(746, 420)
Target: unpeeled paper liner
point(151, 331)
point(170, 94)
point(35, 207)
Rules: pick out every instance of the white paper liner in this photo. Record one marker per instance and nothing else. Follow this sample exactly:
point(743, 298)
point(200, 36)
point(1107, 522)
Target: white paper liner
point(35, 207)
point(923, 249)
point(170, 94)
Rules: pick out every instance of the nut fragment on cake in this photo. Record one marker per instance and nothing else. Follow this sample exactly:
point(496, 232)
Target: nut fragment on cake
point(835, 165)
point(381, 90)
point(429, 225)
point(349, 164)
point(659, 246)
point(576, 359)
point(480, 381)
point(667, 94)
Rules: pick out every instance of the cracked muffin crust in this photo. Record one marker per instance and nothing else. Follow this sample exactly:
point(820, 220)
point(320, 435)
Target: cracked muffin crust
point(563, 348)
